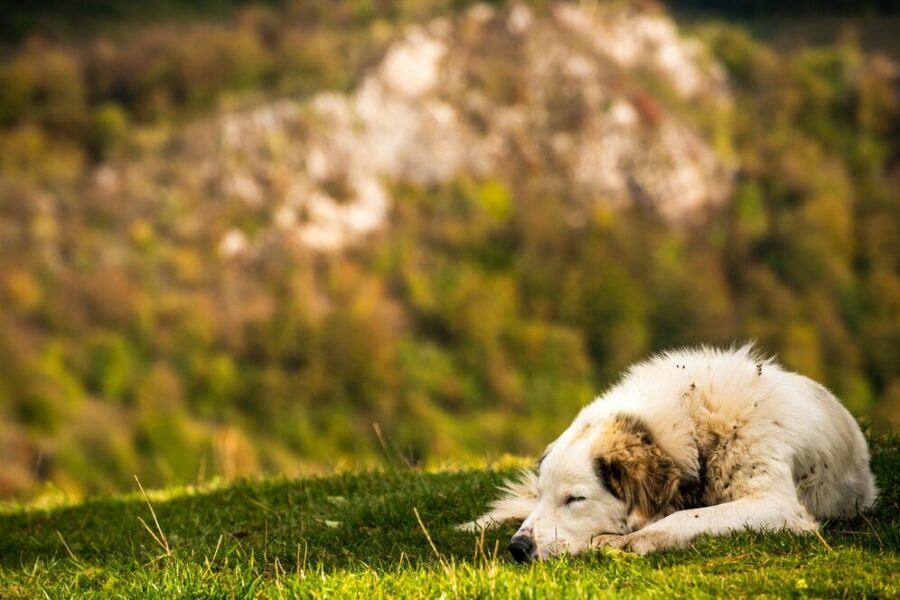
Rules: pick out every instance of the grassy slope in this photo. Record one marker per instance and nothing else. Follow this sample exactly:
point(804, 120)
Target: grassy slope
point(358, 534)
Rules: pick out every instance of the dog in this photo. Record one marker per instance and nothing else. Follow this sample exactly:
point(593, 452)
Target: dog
point(690, 442)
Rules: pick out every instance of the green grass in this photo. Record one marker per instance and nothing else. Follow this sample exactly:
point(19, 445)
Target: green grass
point(359, 535)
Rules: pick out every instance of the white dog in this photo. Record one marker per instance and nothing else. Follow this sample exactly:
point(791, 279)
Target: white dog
point(688, 443)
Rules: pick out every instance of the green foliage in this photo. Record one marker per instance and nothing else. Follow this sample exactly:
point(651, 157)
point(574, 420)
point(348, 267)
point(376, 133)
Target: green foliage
point(109, 130)
point(111, 368)
point(486, 314)
point(146, 63)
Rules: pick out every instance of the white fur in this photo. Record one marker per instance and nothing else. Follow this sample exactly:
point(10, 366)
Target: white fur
point(780, 452)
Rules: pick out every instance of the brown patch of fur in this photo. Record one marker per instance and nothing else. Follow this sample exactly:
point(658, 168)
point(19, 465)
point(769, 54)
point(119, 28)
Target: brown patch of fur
point(638, 472)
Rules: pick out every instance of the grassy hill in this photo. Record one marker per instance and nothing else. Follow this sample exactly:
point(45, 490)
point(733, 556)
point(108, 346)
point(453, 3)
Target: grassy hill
point(390, 534)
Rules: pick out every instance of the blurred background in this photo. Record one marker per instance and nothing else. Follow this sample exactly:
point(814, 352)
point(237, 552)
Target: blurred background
point(293, 236)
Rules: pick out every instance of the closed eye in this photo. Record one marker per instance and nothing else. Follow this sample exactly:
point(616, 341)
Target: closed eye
point(574, 499)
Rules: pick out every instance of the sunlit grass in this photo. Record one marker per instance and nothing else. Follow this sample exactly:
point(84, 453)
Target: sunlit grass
point(352, 535)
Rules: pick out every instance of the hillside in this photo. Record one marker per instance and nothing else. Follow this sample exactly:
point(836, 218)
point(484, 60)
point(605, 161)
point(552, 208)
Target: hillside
point(358, 535)
point(278, 238)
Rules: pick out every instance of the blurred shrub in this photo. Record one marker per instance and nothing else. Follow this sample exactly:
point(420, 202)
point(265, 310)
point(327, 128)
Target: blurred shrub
point(89, 88)
point(112, 368)
point(109, 130)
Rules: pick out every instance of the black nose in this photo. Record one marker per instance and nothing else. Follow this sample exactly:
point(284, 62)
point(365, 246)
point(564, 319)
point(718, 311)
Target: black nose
point(520, 547)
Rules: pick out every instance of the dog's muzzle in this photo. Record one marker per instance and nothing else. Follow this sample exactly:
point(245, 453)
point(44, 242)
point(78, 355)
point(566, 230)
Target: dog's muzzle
point(521, 547)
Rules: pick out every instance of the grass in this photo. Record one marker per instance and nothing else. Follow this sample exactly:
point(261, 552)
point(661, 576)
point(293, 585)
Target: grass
point(390, 534)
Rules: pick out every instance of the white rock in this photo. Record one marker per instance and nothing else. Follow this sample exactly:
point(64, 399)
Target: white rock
point(623, 113)
point(233, 243)
point(519, 19)
point(411, 67)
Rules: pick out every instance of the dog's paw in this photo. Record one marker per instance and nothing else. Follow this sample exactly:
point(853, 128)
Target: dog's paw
point(615, 553)
point(641, 542)
point(608, 541)
point(646, 543)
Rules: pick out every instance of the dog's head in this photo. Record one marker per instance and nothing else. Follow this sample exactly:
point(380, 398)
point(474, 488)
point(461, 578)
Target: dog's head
point(609, 477)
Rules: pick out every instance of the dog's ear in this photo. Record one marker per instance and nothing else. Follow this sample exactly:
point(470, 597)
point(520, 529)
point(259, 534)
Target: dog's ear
point(518, 500)
point(634, 468)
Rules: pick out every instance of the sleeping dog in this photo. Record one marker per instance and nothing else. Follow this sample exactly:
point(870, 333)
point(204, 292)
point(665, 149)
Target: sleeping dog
point(690, 442)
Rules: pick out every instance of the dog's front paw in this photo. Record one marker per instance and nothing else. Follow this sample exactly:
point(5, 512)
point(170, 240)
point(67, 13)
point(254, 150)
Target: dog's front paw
point(611, 546)
point(608, 540)
point(645, 543)
point(640, 542)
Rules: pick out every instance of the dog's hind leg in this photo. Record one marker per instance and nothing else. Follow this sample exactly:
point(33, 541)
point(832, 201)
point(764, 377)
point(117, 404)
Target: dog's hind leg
point(678, 530)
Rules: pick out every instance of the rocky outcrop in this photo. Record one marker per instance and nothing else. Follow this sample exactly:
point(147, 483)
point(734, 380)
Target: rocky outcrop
point(582, 93)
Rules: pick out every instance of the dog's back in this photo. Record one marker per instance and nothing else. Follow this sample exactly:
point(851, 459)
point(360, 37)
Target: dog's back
point(746, 410)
